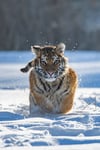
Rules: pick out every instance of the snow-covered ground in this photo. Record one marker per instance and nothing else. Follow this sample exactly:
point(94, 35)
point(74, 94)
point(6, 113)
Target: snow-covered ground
point(80, 129)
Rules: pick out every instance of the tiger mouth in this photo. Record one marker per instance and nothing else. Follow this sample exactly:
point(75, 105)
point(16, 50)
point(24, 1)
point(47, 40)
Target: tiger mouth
point(51, 76)
point(50, 79)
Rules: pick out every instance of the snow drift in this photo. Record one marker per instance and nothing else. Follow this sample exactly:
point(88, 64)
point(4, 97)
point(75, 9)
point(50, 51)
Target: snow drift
point(73, 131)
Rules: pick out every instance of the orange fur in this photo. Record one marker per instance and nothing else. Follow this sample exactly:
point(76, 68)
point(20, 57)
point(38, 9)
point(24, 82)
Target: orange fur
point(52, 82)
point(66, 101)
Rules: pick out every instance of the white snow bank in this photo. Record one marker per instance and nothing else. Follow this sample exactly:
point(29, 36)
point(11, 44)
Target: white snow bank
point(67, 147)
point(79, 127)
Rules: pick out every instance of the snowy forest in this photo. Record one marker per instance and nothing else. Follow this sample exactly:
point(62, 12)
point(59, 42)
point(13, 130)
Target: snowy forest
point(27, 22)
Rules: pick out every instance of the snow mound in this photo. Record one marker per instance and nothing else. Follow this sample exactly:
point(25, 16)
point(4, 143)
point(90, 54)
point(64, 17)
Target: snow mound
point(81, 126)
point(80, 129)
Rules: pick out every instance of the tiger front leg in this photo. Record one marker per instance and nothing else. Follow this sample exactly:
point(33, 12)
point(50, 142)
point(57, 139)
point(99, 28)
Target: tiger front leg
point(67, 103)
point(33, 106)
point(68, 99)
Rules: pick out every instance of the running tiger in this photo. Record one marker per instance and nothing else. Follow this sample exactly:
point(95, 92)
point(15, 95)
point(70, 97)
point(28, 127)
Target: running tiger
point(52, 82)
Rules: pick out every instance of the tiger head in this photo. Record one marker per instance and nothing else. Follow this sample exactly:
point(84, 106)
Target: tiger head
point(50, 62)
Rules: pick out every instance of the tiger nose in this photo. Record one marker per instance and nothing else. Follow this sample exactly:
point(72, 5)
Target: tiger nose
point(50, 73)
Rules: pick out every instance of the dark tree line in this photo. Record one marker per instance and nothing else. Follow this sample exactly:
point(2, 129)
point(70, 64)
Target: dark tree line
point(27, 22)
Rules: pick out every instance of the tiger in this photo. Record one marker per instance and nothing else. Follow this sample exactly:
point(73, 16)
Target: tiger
point(52, 83)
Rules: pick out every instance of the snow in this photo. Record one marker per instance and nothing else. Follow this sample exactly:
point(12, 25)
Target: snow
point(80, 129)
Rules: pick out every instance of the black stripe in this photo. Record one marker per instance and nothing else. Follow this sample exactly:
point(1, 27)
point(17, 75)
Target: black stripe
point(49, 88)
point(40, 90)
point(66, 91)
point(43, 84)
point(59, 101)
point(60, 84)
point(30, 64)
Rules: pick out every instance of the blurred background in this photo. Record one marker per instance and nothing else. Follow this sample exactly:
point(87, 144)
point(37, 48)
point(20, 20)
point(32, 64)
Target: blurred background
point(27, 22)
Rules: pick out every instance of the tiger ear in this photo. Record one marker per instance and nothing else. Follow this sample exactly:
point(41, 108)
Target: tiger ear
point(60, 48)
point(36, 49)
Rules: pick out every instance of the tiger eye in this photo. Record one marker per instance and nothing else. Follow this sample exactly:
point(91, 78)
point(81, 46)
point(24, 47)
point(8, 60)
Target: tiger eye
point(43, 62)
point(56, 62)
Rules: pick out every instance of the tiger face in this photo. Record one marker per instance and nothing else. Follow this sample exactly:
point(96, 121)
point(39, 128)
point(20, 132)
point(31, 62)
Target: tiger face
point(50, 62)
